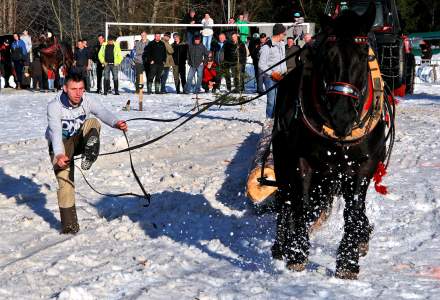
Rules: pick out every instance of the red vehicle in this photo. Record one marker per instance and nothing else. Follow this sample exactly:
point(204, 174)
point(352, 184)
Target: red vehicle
point(393, 49)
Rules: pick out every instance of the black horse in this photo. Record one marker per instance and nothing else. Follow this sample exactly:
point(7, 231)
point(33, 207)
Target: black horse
point(329, 139)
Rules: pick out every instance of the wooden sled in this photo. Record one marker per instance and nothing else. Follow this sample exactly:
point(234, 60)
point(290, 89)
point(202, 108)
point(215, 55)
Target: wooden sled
point(256, 192)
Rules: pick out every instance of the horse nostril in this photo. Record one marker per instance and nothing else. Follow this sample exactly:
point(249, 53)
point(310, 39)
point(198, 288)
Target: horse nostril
point(343, 131)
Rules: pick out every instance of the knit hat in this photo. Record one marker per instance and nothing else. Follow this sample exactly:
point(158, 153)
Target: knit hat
point(168, 34)
point(278, 29)
point(197, 37)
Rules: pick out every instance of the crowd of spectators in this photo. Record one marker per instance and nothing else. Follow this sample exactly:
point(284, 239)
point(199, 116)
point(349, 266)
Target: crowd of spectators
point(211, 56)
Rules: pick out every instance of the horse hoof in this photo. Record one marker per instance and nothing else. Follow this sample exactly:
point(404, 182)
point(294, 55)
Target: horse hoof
point(363, 249)
point(297, 267)
point(346, 274)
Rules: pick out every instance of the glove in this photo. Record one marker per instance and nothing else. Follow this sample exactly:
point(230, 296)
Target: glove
point(276, 76)
point(121, 125)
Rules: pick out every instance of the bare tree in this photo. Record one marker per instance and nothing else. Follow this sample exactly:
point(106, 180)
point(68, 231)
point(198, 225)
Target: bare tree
point(8, 13)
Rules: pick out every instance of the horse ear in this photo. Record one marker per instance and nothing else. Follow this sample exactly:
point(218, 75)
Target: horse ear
point(368, 18)
point(326, 23)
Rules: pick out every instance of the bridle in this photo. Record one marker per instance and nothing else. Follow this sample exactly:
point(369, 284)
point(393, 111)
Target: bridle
point(371, 112)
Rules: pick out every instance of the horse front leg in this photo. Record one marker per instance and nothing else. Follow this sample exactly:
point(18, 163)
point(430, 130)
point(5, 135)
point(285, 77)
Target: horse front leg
point(297, 238)
point(282, 211)
point(356, 229)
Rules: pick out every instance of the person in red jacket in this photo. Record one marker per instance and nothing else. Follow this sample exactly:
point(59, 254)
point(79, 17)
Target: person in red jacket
point(210, 80)
point(51, 78)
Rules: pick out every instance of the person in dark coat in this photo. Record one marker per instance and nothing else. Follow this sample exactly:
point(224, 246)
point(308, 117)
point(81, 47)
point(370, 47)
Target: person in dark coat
point(81, 62)
point(99, 67)
point(154, 56)
point(191, 18)
point(197, 55)
point(18, 56)
point(5, 62)
point(179, 57)
point(254, 48)
point(235, 62)
point(36, 71)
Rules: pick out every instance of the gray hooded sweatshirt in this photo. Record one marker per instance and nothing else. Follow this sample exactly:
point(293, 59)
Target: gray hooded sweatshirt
point(270, 54)
point(65, 120)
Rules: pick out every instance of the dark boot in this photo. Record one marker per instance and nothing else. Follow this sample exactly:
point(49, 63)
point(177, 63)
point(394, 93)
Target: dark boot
point(149, 88)
point(106, 86)
point(91, 149)
point(116, 84)
point(69, 220)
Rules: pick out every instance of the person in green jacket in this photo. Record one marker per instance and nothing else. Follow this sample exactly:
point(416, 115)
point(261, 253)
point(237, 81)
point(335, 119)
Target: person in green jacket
point(243, 30)
point(110, 56)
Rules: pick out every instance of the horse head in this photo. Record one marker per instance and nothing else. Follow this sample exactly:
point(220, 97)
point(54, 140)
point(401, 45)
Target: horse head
point(341, 69)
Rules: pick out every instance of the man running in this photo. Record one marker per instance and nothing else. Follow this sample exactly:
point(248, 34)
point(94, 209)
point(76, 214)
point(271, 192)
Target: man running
point(72, 131)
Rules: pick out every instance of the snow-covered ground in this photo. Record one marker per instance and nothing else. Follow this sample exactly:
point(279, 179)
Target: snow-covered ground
point(200, 238)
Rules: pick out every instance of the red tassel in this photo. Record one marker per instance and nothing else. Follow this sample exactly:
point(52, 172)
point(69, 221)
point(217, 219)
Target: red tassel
point(387, 119)
point(377, 177)
point(400, 91)
point(392, 99)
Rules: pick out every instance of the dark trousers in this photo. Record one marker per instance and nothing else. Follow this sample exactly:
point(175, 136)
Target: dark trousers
point(223, 71)
point(237, 73)
point(18, 67)
point(179, 73)
point(85, 74)
point(258, 78)
point(140, 69)
point(37, 81)
point(163, 79)
point(155, 73)
point(99, 71)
